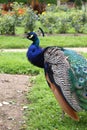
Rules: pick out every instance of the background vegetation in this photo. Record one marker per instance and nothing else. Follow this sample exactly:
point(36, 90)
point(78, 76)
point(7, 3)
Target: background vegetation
point(26, 1)
point(54, 20)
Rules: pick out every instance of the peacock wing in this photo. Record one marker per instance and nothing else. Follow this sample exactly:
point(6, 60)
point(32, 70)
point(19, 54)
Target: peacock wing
point(78, 66)
point(57, 75)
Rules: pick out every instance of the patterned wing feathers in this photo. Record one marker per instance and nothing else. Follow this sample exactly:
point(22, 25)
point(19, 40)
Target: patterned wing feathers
point(57, 69)
point(64, 105)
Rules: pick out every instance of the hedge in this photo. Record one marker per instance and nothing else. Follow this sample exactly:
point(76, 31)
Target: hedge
point(6, 1)
point(25, 1)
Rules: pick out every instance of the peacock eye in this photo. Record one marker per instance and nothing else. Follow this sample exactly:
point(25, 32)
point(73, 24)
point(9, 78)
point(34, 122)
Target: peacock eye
point(85, 95)
point(78, 70)
point(79, 86)
point(85, 70)
point(81, 80)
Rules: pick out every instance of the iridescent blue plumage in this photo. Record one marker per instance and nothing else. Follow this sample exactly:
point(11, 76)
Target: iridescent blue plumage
point(35, 53)
point(66, 74)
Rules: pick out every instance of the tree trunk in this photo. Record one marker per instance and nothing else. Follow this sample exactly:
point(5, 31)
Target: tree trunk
point(58, 2)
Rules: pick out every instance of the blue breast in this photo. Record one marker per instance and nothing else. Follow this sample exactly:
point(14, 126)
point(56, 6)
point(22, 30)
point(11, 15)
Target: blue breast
point(35, 55)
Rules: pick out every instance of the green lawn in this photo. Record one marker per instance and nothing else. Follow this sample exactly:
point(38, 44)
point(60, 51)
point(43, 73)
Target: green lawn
point(63, 41)
point(13, 42)
point(16, 63)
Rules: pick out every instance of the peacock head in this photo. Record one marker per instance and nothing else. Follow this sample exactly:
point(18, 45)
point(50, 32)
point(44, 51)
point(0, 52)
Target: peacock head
point(32, 36)
point(35, 52)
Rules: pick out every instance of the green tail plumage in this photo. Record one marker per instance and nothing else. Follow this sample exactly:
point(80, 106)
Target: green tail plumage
point(78, 76)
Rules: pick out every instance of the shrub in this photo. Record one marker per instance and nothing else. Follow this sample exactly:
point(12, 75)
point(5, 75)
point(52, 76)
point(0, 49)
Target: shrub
point(9, 19)
point(19, 10)
point(55, 22)
point(48, 22)
point(30, 20)
point(78, 3)
point(28, 1)
point(78, 19)
point(7, 25)
point(64, 21)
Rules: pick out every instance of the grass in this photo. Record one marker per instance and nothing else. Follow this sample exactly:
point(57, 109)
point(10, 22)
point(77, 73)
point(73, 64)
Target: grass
point(63, 41)
point(16, 63)
point(9, 42)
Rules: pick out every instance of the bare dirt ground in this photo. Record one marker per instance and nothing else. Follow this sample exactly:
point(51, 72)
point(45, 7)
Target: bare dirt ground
point(13, 102)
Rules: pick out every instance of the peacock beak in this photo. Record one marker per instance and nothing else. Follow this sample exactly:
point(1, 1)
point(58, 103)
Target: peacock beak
point(30, 36)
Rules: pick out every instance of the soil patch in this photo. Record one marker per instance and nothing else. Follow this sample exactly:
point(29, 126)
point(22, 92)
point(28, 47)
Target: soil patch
point(13, 100)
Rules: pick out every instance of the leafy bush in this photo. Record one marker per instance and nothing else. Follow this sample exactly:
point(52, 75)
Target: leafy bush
point(6, 1)
point(3, 1)
point(19, 10)
point(29, 20)
point(64, 21)
point(78, 20)
point(9, 19)
point(7, 25)
point(55, 22)
point(78, 3)
point(48, 22)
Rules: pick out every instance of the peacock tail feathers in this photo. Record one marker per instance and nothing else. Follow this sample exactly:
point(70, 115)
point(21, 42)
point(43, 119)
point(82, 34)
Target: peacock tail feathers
point(78, 76)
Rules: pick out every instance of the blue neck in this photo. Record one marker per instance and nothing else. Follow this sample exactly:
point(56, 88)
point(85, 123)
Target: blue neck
point(35, 54)
point(36, 42)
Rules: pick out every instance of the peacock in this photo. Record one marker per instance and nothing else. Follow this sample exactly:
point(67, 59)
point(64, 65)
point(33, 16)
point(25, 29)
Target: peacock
point(65, 72)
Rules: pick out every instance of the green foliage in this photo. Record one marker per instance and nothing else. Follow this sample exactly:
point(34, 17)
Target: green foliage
point(61, 21)
point(6, 1)
point(48, 1)
point(26, 1)
point(3, 1)
point(29, 20)
point(78, 20)
point(84, 0)
point(7, 25)
point(63, 1)
point(78, 4)
point(19, 12)
point(54, 20)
